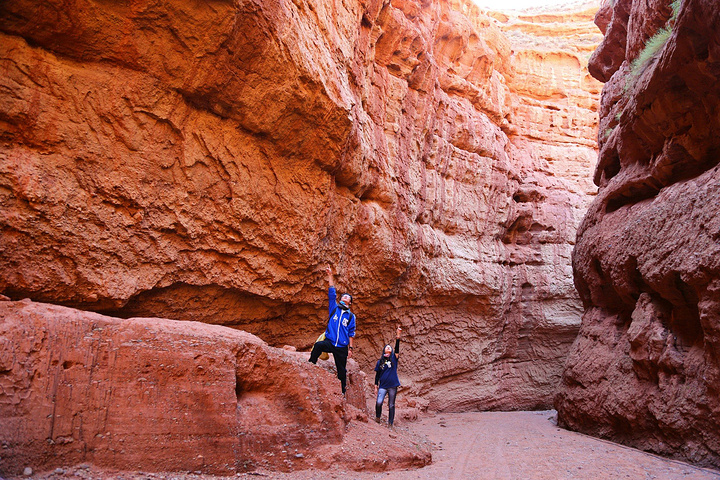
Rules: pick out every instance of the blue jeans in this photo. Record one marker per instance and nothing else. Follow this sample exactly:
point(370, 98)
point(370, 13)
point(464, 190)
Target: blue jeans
point(390, 392)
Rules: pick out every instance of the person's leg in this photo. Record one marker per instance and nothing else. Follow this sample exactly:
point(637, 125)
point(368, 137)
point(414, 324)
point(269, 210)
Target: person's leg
point(391, 405)
point(319, 348)
point(340, 355)
point(379, 402)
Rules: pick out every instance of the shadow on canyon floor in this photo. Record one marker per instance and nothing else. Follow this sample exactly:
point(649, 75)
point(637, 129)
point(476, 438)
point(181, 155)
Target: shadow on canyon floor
point(481, 445)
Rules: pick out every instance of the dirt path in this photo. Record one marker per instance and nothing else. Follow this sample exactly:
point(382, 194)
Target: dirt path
point(483, 445)
point(520, 445)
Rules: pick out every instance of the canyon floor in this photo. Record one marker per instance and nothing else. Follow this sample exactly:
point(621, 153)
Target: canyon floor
point(481, 445)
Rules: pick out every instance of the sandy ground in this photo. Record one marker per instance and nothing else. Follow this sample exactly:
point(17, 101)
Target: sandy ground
point(483, 445)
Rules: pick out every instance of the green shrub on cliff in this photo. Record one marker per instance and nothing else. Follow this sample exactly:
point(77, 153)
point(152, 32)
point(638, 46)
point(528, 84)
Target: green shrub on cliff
point(653, 46)
point(675, 6)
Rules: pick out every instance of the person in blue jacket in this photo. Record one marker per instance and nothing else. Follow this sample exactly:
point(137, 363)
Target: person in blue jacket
point(386, 379)
point(340, 331)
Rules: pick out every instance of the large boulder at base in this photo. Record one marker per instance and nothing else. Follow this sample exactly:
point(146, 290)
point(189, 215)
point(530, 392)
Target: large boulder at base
point(161, 395)
point(645, 368)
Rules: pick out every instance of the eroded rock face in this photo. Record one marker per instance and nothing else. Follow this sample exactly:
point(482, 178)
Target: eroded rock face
point(644, 370)
point(162, 395)
point(205, 161)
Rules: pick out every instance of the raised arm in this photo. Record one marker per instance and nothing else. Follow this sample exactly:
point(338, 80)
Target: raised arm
point(398, 331)
point(332, 295)
point(331, 279)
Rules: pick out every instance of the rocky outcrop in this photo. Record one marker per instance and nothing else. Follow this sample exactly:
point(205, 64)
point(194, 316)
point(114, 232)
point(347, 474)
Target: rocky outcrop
point(645, 370)
point(161, 395)
point(204, 161)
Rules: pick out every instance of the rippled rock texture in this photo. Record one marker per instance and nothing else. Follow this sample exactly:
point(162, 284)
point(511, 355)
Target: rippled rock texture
point(205, 160)
point(645, 369)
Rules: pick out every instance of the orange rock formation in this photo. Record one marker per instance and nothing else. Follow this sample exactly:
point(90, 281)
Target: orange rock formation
point(155, 394)
point(204, 161)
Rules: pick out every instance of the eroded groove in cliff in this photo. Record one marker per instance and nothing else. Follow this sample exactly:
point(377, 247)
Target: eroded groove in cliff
point(630, 195)
point(205, 303)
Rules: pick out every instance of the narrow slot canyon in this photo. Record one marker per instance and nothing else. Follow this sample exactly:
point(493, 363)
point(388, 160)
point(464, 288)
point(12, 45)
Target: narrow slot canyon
point(528, 194)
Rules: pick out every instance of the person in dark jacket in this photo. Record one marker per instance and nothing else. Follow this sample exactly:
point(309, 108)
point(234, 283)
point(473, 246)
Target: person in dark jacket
point(386, 379)
point(339, 333)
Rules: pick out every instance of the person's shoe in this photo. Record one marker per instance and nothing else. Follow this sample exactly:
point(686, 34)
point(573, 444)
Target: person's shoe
point(377, 419)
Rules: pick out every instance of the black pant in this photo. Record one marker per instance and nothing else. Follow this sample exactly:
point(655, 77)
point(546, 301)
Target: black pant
point(340, 355)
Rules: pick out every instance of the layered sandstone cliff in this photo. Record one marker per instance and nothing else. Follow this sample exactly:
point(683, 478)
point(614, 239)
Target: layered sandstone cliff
point(645, 369)
point(204, 161)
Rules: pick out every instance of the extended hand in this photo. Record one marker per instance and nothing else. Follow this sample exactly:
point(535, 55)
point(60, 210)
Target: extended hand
point(398, 332)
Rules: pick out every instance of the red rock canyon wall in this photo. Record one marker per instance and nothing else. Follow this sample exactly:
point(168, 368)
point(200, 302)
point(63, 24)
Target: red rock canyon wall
point(204, 161)
point(155, 394)
point(645, 368)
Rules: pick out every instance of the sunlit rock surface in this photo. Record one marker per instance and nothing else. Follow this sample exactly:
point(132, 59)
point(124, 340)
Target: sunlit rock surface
point(205, 161)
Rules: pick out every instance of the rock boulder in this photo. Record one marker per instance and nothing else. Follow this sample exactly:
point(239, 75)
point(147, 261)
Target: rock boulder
point(151, 394)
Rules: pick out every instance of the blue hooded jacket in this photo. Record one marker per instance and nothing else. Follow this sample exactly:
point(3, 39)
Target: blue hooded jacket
point(341, 324)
